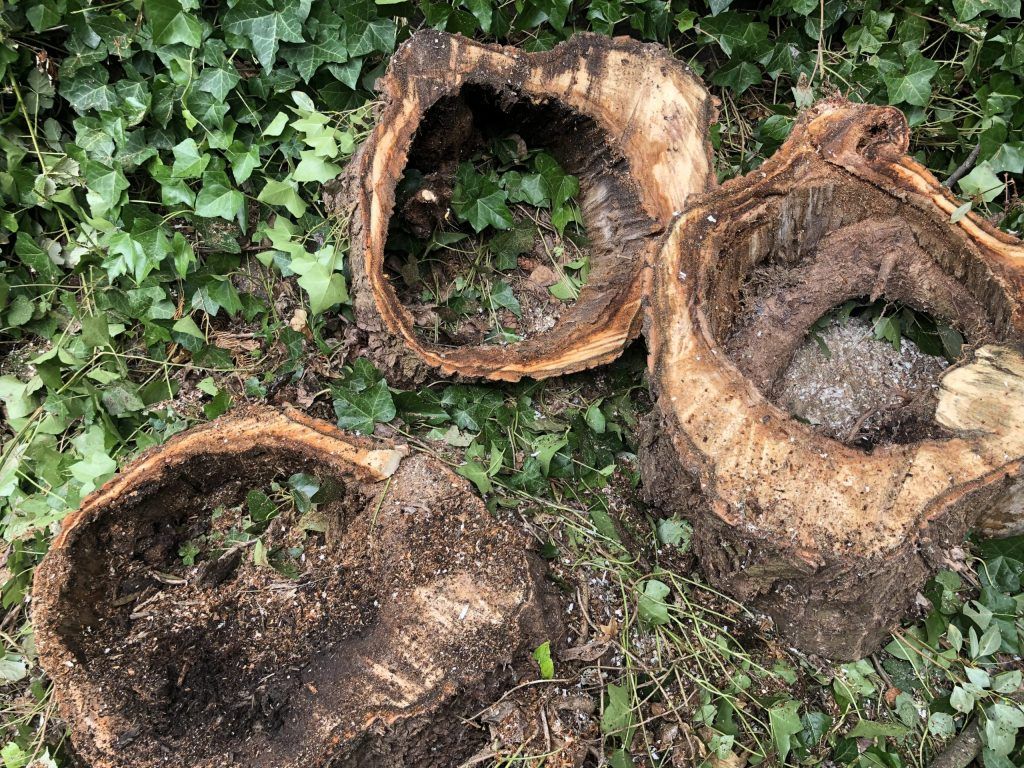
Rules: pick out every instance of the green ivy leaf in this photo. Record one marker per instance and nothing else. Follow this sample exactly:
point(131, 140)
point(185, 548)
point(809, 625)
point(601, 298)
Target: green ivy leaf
point(284, 193)
point(479, 200)
point(218, 198)
point(501, 296)
point(314, 168)
point(784, 720)
point(982, 183)
point(618, 710)
point(170, 23)
point(652, 607)
point(218, 81)
point(244, 160)
point(736, 31)
point(911, 82)
point(264, 25)
point(360, 411)
point(306, 59)
point(189, 161)
point(104, 187)
point(542, 655)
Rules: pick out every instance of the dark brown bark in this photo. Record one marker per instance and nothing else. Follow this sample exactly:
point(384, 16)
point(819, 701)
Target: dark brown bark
point(413, 604)
point(626, 118)
point(831, 540)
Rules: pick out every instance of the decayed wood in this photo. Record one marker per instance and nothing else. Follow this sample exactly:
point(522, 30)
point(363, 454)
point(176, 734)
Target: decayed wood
point(833, 541)
point(447, 597)
point(626, 118)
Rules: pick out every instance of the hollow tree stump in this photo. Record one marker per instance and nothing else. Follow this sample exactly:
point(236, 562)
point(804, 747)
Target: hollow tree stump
point(408, 604)
point(832, 540)
point(625, 118)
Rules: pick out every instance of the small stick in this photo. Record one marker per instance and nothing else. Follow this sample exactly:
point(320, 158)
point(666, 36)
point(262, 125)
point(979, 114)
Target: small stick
point(965, 166)
point(962, 751)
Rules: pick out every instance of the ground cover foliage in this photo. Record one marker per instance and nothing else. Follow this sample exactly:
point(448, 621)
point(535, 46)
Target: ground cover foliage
point(167, 255)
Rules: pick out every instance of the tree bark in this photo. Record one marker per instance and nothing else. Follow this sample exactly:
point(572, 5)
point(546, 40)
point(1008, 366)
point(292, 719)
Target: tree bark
point(626, 118)
point(414, 606)
point(831, 540)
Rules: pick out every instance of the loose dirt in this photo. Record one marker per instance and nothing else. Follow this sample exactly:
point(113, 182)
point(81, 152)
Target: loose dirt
point(358, 635)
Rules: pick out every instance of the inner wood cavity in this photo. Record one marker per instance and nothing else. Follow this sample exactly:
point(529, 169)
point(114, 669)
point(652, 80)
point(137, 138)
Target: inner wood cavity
point(201, 656)
point(616, 227)
point(785, 266)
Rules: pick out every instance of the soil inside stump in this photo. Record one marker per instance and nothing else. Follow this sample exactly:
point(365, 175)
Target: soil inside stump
point(229, 621)
point(207, 651)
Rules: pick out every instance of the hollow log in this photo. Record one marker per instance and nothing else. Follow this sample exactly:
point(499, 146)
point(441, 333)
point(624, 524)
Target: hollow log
point(408, 606)
point(832, 540)
point(625, 118)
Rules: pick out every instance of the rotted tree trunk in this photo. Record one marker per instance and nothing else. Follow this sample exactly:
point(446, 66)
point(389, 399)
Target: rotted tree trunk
point(625, 118)
point(357, 631)
point(832, 539)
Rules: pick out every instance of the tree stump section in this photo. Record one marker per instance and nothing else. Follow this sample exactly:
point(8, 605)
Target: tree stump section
point(625, 118)
point(403, 613)
point(832, 540)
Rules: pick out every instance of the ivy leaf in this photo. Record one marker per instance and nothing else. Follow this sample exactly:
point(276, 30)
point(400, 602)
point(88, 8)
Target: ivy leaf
point(325, 288)
point(265, 25)
point(559, 186)
point(127, 256)
point(483, 10)
point(869, 729)
point(95, 332)
point(189, 162)
point(308, 58)
point(96, 466)
point(12, 669)
point(970, 9)
point(319, 278)
point(542, 655)
point(982, 183)
point(359, 411)
point(46, 15)
point(476, 473)
point(170, 23)
point(314, 168)
point(738, 75)
point(675, 533)
point(525, 188)
point(35, 258)
point(276, 192)
point(218, 81)
point(652, 607)
point(372, 35)
point(618, 711)
point(912, 82)
point(736, 31)
point(218, 198)
point(89, 90)
point(784, 719)
point(244, 160)
point(479, 200)
point(104, 187)
point(501, 296)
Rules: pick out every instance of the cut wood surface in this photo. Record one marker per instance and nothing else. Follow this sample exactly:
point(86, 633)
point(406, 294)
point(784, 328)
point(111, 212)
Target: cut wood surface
point(409, 606)
point(625, 118)
point(833, 540)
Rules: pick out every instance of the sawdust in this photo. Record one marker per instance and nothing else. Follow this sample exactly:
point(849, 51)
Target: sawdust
point(863, 390)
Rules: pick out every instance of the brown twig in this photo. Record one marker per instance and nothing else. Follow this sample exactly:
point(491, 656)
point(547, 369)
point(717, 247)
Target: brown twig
point(965, 166)
point(962, 750)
